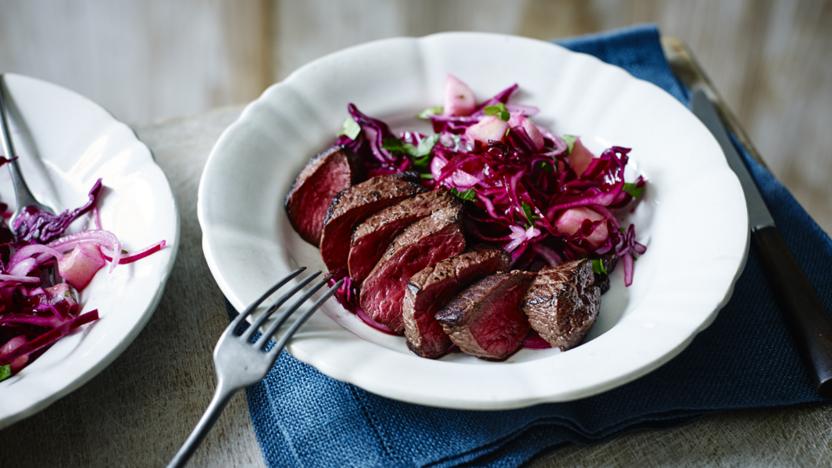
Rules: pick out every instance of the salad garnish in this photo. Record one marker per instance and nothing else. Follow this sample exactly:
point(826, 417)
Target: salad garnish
point(544, 198)
point(43, 270)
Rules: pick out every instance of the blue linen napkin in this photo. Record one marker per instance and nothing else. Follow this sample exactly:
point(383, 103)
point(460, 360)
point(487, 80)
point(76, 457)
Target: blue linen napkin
point(745, 359)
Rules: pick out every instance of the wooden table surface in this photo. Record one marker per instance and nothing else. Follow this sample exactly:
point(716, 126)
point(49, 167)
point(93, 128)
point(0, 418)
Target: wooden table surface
point(138, 411)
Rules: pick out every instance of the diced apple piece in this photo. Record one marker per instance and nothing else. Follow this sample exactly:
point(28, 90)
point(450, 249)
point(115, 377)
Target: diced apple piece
point(580, 157)
point(534, 133)
point(459, 99)
point(79, 266)
point(489, 128)
point(572, 219)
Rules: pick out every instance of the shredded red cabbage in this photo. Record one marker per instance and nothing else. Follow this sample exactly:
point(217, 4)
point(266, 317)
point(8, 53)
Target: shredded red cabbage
point(34, 225)
point(543, 198)
point(43, 268)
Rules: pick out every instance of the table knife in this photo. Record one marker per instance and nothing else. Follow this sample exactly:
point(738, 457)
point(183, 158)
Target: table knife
point(809, 323)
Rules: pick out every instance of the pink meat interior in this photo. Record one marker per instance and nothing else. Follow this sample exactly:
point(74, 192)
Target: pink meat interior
point(368, 249)
point(501, 326)
point(335, 245)
point(308, 204)
point(383, 291)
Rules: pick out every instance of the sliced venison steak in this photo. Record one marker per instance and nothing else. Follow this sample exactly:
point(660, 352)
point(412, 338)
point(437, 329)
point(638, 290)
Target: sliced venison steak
point(562, 303)
point(432, 288)
point(371, 238)
point(314, 188)
point(352, 206)
point(485, 319)
point(424, 243)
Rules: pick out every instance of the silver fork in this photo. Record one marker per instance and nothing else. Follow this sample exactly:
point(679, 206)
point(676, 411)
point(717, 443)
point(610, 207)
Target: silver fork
point(23, 196)
point(239, 363)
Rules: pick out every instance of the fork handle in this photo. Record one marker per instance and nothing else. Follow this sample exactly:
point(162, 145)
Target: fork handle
point(221, 397)
point(22, 193)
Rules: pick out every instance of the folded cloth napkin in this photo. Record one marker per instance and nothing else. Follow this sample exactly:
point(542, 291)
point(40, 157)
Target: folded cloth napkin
point(745, 359)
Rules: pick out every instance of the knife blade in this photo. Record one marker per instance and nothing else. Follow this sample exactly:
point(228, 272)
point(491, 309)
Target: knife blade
point(810, 324)
point(758, 214)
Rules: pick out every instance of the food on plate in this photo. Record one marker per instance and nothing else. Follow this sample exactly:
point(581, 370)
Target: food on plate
point(433, 287)
point(43, 269)
point(371, 238)
point(402, 207)
point(324, 176)
point(422, 244)
point(562, 303)
point(485, 319)
point(353, 205)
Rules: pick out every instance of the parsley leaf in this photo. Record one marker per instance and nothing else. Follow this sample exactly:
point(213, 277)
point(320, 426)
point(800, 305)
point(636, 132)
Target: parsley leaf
point(499, 110)
point(393, 144)
point(5, 372)
point(467, 195)
point(430, 112)
point(527, 210)
point(598, 266)
point(350, 129)
point(634, 190)
point(419, 154)
point(570, 142)
point(425, 146)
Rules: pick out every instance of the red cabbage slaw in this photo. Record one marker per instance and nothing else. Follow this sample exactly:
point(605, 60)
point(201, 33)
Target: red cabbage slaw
point(43, 268)
point(544, 198)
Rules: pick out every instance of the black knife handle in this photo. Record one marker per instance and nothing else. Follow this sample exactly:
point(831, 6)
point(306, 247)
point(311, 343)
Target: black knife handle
point(810, 324)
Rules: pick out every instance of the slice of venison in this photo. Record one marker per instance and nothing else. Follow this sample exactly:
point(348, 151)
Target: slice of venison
point(328, 173)
point(485, 319)
point(371, 238)
point(562, 303)
point(352, 206)
point(432, 288)
point(424, 243)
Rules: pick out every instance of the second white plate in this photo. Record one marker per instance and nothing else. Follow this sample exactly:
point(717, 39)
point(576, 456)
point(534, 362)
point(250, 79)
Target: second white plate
point(66, 142)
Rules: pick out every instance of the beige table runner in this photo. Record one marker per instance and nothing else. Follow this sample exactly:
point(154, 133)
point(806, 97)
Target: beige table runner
point(138, 411)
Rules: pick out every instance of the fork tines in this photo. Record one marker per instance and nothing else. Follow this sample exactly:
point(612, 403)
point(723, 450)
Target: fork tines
point(284, 315)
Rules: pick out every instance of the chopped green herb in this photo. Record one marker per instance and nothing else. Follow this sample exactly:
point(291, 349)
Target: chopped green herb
point(426, 175)
point(546, 166)
point(419, 154)
point(425, 146)
point(498, 110)
point(393, 144)
point(350, 129)
point(430, 112)
point(634, 190)
point(467, 195)
point(529, 212)
point(598, 266)
point(570, 142)
point(5, 372)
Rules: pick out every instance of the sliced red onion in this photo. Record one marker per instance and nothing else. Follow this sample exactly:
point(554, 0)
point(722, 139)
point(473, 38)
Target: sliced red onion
point(523, 109)
point(142, 253)
point(369, 321)
point(31, 250)
point(49, 338)
point(19, 279)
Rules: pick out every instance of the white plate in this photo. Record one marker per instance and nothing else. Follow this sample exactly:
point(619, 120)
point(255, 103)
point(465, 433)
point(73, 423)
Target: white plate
point(65, 143)
point(693, 218)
